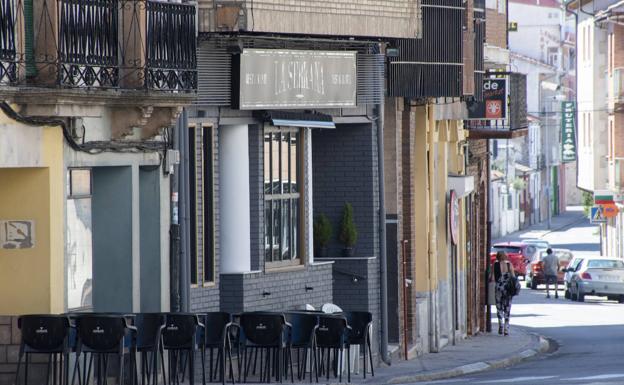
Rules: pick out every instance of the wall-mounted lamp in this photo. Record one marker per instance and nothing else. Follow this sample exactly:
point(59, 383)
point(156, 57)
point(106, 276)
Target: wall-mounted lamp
point(309, 288)
point(266, 293)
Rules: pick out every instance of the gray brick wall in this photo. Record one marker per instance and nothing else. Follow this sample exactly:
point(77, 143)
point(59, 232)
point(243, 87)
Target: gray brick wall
point(362, 295)
point(10, 337)
point(244, 292)
point(345, 170)
point(256, 195)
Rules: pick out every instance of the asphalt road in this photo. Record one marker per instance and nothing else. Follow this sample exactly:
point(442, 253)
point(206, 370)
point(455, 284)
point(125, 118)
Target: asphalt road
point(590, 335)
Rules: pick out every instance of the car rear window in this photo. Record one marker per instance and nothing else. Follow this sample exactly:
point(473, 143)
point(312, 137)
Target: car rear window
point(507, 249)
point(605, 264)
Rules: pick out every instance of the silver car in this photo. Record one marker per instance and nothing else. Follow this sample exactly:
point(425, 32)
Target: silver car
point(600, 277)
point(569, 271)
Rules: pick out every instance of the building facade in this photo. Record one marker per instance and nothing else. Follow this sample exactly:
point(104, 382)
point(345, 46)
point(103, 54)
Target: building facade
point(88, 99)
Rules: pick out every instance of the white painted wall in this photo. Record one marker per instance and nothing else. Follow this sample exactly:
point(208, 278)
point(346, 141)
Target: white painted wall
point(234, 199)
point(592, 101)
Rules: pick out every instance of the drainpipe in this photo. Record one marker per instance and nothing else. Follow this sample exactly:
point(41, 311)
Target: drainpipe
point(433, 236)
point(185, 265)
point(382, 236)
point(174, 230)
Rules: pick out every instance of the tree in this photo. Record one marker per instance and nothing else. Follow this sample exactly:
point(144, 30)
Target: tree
point(348, 232)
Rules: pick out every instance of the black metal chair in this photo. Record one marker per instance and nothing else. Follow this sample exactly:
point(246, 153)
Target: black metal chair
point(99, 336)
point(361, 323)
point(303, 337)
point(149, 343)
point(267, 333)
point(180, 339)
point(332, 335)
point(45, 334)
point(217, 336)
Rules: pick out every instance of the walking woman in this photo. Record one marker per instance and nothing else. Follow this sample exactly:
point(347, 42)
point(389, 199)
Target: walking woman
point(503, 271)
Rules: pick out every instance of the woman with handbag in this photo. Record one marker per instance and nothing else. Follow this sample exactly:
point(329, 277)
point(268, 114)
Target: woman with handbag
point(503, 276)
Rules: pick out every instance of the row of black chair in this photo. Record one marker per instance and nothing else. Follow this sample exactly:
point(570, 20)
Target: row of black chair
point(102, 340)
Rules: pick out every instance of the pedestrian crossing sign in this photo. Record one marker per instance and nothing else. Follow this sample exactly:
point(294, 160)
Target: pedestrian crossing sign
point(597, 215)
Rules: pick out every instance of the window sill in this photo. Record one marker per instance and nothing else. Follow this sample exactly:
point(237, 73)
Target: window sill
point(284, 269)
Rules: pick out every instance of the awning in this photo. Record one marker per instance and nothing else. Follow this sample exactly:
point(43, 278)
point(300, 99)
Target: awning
point(462, 185)
point(300, 119)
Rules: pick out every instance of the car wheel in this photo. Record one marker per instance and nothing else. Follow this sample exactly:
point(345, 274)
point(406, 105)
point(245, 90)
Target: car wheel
point(533, 285)
point(567, 294)
point(573, 295)
point(621, 299)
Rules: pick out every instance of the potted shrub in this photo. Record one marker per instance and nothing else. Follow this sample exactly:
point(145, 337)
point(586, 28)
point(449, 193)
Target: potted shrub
point(348, 232)
point(322, 235)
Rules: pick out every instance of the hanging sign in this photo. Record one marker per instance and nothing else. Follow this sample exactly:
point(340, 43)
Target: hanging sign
point(494, 104)
point(568, 132)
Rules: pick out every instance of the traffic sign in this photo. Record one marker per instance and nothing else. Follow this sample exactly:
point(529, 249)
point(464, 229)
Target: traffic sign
point(610, 210)
point(597, 216)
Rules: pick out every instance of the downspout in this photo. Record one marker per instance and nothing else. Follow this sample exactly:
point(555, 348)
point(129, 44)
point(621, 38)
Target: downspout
point(184, 210)
point(433, 236)
point(174, 230)
point(383, 259)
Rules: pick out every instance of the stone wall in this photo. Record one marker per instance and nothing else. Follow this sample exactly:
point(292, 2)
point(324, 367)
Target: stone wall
point(10, 337)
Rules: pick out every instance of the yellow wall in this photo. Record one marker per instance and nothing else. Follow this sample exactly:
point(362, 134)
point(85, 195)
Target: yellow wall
point(32, 280)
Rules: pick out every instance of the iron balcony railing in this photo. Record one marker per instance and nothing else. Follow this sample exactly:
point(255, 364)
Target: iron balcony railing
point(109, 44)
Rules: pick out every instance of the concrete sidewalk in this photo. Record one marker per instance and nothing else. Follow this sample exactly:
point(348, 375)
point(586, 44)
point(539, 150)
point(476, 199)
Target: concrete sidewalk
point(475, 354)
point(573, 215)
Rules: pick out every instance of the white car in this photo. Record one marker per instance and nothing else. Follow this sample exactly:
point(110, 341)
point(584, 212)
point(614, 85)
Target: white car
point(602, 277)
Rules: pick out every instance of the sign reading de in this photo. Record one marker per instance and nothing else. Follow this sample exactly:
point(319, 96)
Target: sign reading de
point(275, 78)
point(494, 104)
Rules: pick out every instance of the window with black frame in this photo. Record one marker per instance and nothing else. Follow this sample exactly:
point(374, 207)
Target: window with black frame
point(282, 195)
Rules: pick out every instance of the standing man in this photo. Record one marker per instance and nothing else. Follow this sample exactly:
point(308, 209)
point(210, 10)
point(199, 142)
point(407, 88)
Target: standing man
point(551, 268)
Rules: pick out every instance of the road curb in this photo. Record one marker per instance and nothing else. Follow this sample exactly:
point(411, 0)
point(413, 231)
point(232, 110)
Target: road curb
point(541, 346)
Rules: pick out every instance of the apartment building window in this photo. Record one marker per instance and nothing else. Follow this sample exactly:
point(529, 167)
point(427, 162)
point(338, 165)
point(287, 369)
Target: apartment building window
point(282, 193)
point(553, 56)
point(611, 153)
point(201, 171)
point(610, 59)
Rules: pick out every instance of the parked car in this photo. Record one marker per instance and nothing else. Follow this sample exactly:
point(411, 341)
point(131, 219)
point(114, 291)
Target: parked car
point(569, 271)
point(603, 277)
point(519, 254)
point(540, 243)
point(535, 269)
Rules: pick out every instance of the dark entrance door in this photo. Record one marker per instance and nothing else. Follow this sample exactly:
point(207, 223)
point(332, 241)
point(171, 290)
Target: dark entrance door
point(393, 282)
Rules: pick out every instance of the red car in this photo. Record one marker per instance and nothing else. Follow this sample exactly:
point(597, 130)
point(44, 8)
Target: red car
point(519, 254)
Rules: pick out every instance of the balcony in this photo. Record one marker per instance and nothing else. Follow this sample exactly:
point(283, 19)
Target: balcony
point(98, 44)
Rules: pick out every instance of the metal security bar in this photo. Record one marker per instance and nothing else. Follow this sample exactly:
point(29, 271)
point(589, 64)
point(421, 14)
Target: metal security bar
point(104, 44)
point(88, 54)
point(171, 46)
point(479, 59)
point(8, 52)
point(431, 66)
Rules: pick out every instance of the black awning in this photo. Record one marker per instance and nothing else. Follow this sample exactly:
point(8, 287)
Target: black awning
point(300, 119)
